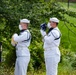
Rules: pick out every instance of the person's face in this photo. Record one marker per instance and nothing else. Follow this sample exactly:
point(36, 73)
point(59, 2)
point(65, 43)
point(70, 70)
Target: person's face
point(24, 25)
point(53, 24)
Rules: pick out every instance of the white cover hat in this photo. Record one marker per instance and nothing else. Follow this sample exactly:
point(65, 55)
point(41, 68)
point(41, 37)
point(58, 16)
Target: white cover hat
point(54, 20)
point(25, 21)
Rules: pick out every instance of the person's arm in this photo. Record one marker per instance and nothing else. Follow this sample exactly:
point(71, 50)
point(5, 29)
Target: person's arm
point(20, 38)
point(43, 33)
point(13, 42)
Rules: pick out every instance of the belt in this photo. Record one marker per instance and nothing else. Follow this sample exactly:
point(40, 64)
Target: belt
point(21, 47)
point(49, 48)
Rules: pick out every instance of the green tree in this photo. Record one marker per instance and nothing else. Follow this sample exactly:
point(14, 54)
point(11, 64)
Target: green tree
point(37, 12)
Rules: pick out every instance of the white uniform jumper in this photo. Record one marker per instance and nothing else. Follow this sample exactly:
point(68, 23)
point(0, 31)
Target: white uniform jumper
point(22, 52)
point(51, 51)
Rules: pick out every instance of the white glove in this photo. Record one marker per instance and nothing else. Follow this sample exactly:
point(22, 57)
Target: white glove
point(12, 40)
point(15, 35)
point(13, 44)
point(43, 33)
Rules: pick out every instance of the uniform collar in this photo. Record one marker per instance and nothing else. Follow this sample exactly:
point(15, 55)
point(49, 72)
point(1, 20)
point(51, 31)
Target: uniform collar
point(52, 29)
point(56, 28)
point(22, 30)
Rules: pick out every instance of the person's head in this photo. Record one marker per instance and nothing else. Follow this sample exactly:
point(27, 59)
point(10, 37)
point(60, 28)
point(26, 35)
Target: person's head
point(24, 24)
point(53, 22)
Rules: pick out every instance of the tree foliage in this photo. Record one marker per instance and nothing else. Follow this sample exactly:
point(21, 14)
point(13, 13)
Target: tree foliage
point(37, 12)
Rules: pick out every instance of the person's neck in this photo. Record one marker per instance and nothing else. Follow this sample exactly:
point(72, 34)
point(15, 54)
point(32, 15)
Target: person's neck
point(54, 27)
point(51, 29)
point(23, 30)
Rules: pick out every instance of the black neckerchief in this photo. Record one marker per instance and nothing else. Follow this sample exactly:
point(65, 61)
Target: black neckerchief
point(50, 29)
point(21, 31)
point(52, 33)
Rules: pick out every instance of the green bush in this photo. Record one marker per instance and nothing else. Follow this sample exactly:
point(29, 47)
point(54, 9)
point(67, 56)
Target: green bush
point(38, 12)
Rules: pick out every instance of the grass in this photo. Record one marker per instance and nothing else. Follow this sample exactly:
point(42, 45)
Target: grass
point(72, 6)
point(62, 71)
point(68, 38)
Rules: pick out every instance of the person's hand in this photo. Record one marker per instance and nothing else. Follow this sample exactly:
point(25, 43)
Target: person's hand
point(43, 26)
point(12, 39)
point(15, 35)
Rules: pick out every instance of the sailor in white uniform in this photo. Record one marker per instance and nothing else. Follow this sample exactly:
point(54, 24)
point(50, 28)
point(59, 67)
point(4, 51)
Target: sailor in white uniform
point(51, 43)
point(22, 42)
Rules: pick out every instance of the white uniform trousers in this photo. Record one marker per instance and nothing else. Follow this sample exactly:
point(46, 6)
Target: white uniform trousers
point(21, 65)
point(51, 63)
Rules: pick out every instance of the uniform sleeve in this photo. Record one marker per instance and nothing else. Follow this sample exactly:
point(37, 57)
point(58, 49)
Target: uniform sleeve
point(52, 35)
point(22, 37)
point(43, 33)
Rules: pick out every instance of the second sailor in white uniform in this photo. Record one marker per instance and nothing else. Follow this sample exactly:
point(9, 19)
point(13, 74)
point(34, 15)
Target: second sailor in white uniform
point(51, 43)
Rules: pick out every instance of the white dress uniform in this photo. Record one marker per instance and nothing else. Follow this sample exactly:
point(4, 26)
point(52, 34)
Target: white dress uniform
point(22, 51)
point(51, 50)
